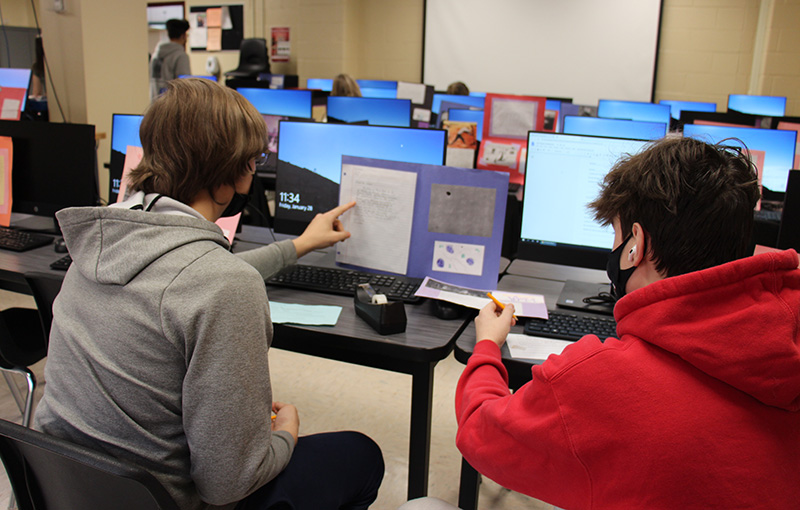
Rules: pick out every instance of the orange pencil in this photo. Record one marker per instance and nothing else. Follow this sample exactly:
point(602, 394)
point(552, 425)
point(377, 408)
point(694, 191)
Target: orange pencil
point(498, 303)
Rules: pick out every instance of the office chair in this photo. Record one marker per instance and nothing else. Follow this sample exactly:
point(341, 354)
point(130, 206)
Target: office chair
point(44, 287)
point(253, 59)
point(22, 343)
point(50, 472)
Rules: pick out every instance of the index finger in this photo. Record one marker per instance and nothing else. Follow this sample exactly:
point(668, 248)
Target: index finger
point(338, 211)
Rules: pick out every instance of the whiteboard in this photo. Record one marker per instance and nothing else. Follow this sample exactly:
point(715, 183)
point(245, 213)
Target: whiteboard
point(581, 49)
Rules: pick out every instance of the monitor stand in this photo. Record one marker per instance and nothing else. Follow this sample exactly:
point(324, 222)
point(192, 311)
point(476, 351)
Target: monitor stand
point(44, 224)
point(574, 291)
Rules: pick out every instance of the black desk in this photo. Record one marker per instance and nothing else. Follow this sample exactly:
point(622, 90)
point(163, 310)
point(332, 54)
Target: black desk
point(426, 341)
point(545, 279)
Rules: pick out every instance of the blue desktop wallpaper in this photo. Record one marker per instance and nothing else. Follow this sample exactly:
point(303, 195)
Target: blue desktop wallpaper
point(676, 107)
point(319, 147)
point(778, 146)
point(325, 84)
point(616, 128)
point(289, 103)
point(772, 106)
point(378, 112)
point(474, 101)
point(632, 110)
point(125, 131)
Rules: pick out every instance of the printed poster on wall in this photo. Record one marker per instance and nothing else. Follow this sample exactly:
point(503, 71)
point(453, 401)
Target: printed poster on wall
point(281, 47)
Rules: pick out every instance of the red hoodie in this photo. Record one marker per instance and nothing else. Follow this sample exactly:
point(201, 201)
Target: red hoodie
point(695, 406)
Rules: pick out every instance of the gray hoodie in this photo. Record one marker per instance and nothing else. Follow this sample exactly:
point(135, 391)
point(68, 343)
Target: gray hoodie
point(169, 61)
point(158, 350)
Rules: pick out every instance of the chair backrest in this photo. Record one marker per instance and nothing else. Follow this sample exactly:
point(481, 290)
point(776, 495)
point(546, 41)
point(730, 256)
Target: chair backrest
point(253, 55)
point(47, 472)
point(45, 287)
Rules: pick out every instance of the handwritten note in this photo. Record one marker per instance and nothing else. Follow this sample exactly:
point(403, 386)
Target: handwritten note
point(380, 223)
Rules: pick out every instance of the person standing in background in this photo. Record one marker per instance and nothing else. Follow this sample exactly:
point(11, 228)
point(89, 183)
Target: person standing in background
point(170, 59)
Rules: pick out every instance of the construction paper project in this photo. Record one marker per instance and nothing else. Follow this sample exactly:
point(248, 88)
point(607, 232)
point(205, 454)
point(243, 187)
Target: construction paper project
point(307, 315)
point(6, 160)
point(11, 99)
point(456, 220)
point(133, 156)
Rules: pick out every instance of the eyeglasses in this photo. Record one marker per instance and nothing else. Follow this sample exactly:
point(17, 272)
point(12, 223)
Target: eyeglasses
point(259, 160)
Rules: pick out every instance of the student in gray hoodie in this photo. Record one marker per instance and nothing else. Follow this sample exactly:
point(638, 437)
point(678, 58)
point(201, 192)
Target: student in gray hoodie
point(170, 59)
point(160, 338)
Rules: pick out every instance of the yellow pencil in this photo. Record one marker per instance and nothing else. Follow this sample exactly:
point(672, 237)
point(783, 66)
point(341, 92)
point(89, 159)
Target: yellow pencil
point(499, 304)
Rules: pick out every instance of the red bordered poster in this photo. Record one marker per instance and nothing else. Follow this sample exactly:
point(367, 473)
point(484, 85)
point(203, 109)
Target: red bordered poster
point(6, 158)
point(281, 46)
point(11, 99)
point(506, 122)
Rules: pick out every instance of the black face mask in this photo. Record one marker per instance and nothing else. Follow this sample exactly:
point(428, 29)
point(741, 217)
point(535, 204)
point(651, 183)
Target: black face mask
point(619, 277)
point(237, 205)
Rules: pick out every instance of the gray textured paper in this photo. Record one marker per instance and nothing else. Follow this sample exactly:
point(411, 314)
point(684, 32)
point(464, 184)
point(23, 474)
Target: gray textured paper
point(461, 210)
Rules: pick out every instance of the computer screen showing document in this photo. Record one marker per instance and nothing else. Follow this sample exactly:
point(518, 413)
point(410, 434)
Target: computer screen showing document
point(562, 176)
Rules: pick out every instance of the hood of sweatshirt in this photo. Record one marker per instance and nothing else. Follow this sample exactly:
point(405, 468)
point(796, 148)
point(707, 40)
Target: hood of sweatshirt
point(111, 245)
point(737, 322)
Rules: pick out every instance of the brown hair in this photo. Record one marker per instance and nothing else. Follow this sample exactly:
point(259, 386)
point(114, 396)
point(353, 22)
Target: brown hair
point(345, 85)
point(694, 200)
point(458, 88)
point(196, 136)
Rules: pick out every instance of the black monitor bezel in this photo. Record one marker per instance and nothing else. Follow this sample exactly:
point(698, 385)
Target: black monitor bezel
point(80, 150)
point(296, 227)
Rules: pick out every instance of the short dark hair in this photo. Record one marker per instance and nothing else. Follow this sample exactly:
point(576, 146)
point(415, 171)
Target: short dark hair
point(176, 28)
point(197, 135)
point(458, 88)
point(694, 200)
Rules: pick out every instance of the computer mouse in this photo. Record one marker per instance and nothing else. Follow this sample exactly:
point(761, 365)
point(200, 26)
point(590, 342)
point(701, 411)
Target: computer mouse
point(60, 245)
point(447, 311)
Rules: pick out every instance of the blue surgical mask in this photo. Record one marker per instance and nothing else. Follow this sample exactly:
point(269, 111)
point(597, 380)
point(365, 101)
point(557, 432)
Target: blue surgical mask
point(619, 277)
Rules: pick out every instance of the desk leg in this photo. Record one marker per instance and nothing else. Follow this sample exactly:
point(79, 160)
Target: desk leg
point(469, 487)
point(420, 436)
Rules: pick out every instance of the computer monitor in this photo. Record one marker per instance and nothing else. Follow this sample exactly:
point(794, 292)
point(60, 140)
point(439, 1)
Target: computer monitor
point(562, 176)
point(386, 89)
point(465, 115)
point(204, 76)
point(614, 128)
point(325, 84)
point(676, 107)
point(778, 147)
point(376, 111)
point(310, 162)
point(53, 166)
point(473, 101)
point(124, 132)
point(729, 117)
point(633, 110)
point(280, 102)
point(770, 106)
point(18, 79)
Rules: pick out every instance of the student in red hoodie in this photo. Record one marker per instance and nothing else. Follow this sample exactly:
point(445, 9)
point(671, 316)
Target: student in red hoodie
point(696, 404)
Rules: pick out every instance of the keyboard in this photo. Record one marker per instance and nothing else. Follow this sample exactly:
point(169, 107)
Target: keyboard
point(344, 282)
point(18, 240)
point(768, 215)
point(572, 326)
point(62, 264)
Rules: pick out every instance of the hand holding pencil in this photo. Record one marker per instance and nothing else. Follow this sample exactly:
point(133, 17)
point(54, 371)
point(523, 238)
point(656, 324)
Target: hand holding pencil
point(489, 325)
